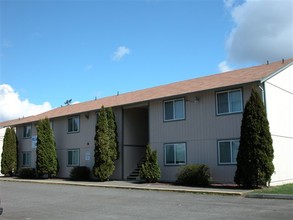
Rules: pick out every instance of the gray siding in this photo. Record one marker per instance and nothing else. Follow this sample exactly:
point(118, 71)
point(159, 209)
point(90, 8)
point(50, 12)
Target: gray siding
point(82, 140)
point(201, 130)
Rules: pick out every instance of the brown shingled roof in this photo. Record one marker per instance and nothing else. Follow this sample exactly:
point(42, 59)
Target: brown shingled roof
point(236, 77)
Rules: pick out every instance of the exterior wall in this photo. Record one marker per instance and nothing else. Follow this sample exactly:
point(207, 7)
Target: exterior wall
point(201, 130)
point(82, 140)
point(25, 144)
point(279, 104)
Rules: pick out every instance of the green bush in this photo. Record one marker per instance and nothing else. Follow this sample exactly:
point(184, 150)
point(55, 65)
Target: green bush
point(27, 173)
point(194, 174)
point(150, 170)
point(256, 153)
point(80, 173)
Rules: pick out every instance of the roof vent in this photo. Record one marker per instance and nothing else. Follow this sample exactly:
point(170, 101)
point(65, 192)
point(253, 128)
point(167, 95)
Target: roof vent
point(283, 61)
point(268, 62)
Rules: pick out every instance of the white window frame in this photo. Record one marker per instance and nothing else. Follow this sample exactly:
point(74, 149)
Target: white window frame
point(175, 145)
point(27, 134)
point(73, 118)
point(173, 101)
point(78, 157)
point(28, 157)
point(231, 152)
point(230, 111)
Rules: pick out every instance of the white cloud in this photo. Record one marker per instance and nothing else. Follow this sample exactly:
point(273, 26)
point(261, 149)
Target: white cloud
point(263, 31)
point(120, 53)
point(223, 67)
point(13, 107)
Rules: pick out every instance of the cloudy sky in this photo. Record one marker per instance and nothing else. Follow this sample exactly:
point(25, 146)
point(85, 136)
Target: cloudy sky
point(55, 50)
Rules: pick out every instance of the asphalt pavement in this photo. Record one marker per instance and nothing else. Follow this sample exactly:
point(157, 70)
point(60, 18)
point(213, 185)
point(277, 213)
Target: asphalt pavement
point(34, 201)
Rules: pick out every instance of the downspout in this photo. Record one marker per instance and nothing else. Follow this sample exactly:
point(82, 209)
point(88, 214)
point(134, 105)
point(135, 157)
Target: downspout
point(262, 88)
point(262, 93)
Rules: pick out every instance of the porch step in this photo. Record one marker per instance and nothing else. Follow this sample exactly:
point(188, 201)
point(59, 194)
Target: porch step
point(134, 175)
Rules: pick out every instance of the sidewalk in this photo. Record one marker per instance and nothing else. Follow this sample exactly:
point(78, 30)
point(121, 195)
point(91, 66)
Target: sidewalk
point(135, 185)
point(167, 187)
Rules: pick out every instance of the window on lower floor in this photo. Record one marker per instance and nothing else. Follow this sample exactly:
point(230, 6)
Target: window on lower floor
point(229, 102)
point(175, 154)
point(227, 151)
point(174, 110)
point(73, 157)
point(26, 159)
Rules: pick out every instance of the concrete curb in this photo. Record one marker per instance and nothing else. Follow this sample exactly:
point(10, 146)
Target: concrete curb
point(269, 196)
point(131, 186)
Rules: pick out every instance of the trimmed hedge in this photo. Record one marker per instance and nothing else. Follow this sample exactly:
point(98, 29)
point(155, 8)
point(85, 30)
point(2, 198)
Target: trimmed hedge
point(27, 173)
point(194, 174)
point(80, 173)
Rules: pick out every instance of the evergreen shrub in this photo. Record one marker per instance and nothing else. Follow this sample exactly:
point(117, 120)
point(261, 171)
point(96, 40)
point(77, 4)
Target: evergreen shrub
point(27, 173)
point(104, 165)
point(46, 162)
point(9, 154)
point(150, 170)
point(80, 173)
point(193, 174)
point(255, 155)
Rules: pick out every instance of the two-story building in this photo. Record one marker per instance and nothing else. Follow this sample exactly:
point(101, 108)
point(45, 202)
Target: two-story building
point(187, 122)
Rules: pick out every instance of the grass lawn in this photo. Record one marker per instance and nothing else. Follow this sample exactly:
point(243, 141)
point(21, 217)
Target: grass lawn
point(285, 189)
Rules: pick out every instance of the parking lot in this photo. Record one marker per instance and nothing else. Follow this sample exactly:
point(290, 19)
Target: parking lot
point(45, 201)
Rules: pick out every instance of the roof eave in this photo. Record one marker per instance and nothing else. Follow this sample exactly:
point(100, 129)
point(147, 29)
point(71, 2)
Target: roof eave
point(275, 73)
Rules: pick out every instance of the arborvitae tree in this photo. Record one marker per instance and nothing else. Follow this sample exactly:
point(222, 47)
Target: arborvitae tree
point(46, 162)
point(113, 136)
point(9, 153)
point(104, 165)
point(255, 155)
point(150, 170)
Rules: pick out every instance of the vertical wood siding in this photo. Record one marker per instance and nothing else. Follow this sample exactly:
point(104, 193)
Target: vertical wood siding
point(201, 130)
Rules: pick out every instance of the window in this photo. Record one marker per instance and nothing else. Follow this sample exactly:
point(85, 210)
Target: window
point(27, 131)
point(73, 157)
point(227, 151)
point(174, 110)
point(175, 154)
point(229, 102)
point(26, 159)
point(73, 124)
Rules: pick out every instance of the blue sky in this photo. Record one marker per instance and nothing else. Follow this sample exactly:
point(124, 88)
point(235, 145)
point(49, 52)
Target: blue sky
point(54, 50)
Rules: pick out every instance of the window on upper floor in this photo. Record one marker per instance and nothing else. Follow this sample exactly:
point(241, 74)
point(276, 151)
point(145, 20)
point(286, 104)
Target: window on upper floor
point(227, 151)
point(73, 124)
point(174, 110)
point(229, 102)
point(175, 154)
point(27, 131)
point(26, 158)
point(73, 157)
